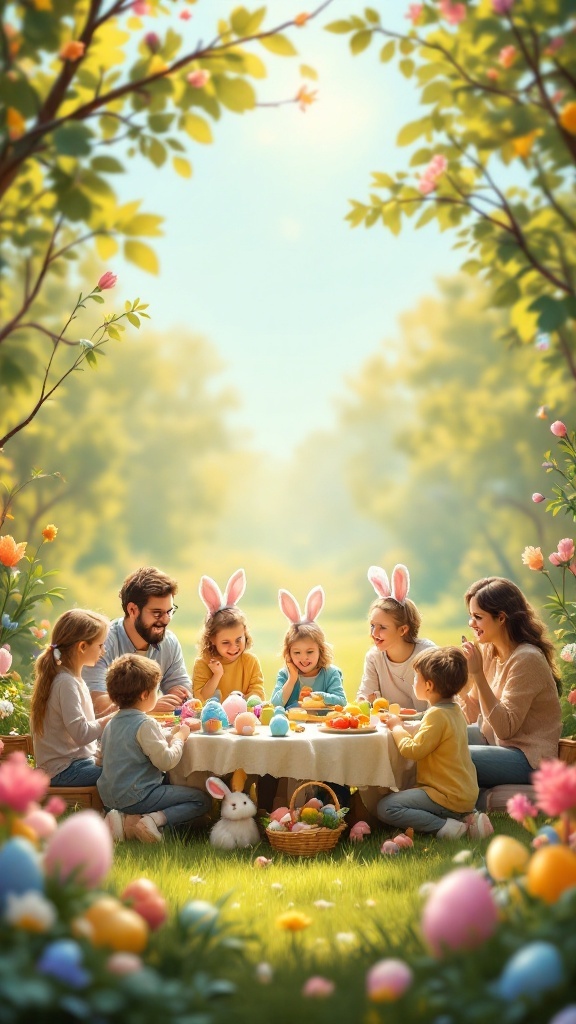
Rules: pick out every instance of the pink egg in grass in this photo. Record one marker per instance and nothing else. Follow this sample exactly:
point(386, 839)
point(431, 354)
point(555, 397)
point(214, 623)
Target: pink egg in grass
point(41, 822)
point(81, 845)
point(388, 980)
point(460, 913)
point(389, 848)
point(403, 841)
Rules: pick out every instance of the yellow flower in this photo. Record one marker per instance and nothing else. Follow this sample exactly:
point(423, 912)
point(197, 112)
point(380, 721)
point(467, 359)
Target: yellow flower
point(10, 551)
point(533, 558)
point(15, 123)
point(568, 117)
point(523, 145)
point(293, 921)
point(304, 97)
point(42, 5)
point(49, 532)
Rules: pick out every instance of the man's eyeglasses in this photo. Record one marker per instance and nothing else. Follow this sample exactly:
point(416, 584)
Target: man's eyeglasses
point(157, 614)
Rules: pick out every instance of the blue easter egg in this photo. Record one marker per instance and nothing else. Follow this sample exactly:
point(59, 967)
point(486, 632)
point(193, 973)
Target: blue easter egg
point(532, 970)
point(63, 960)
point(280, 710)
point(550, 834)
point(279, 725)
point(19, 869)
point(199, 915)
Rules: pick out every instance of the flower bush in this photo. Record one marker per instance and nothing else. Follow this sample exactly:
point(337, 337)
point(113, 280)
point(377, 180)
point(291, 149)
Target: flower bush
point(14, 697)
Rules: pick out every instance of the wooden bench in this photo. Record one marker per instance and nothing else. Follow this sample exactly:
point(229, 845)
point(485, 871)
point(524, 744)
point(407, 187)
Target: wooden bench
point(78, 798)
point(13, 743)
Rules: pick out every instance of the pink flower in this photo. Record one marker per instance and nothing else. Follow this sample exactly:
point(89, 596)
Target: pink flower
point(572, 568)
point(21, 785)
point(555, 559)
point(5, 660)
point(492, 74)
point(414, 12)
point(198, 79)
point(317, 987)
point(568, 653)
point(554, 45)
point(56, 806)
point(502, 6)
point(108, 280)
point(152, 41)
point(140, 7)
point(537, 497)
point(571, 698)
point(520, 807)
point(507, 56)
point(185, 15)
point(426, 185)
point(558, 428)
point(555, 785)
point(566, 549)
point(454, 13)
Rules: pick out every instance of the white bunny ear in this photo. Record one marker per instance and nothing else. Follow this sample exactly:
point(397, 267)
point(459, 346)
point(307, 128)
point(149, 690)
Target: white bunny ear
point(314, 604)
point(235, 588)
point(210, 593)
point(379, 581)
point(400, 583)
point(217, 788)
point(289, 606)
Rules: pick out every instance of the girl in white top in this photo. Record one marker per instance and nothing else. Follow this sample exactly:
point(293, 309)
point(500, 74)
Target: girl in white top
point(394, 624)
point(64, 729)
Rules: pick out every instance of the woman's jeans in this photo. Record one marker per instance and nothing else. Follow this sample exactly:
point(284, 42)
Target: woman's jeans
point(179, 803)
point(83, 772)
point(413, 808)
point(497, 766)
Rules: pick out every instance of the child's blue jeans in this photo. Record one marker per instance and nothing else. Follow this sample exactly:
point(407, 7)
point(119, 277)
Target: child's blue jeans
point(84, 772)
point(413, 808)
point(179, 803)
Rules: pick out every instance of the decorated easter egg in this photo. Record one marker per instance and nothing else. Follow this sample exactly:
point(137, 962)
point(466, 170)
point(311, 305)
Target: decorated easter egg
point(146, 900)
point(388, 980)
point(551, 871)
point(19, 870)
point(253, 702)
point(5, 659)
point(62, 959)
point(534, 969)
point(279, 709)
point(460, 913)
point(245, 723)
point(198, 915)
point(279, 813)
point(81, 845)
point(191, 709)
point(41, 822)
point(123, 963)
point(389, 848)
point(506, 857)
point(266, 713)
point(279, 725)
point(403, 840)
point(546, 836)
point(234, 705)
point(116, 926)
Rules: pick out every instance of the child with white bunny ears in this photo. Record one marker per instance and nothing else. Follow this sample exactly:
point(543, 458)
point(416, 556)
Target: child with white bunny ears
point(225, 663)
point(394, 624)
point(307, 654)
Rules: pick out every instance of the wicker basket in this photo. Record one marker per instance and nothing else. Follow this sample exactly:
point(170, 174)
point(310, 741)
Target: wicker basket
point(310, 842)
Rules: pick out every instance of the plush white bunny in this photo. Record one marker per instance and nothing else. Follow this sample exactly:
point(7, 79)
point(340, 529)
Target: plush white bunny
point(236, 827)
point(291, 608)
point(214, 599)
point(400, 582)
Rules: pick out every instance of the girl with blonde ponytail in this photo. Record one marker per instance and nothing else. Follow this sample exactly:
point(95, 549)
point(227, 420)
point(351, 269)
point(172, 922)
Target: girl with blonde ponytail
point(62, 715)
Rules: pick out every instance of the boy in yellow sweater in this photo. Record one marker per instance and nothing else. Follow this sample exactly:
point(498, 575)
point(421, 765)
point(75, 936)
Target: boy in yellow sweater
point(446, 786)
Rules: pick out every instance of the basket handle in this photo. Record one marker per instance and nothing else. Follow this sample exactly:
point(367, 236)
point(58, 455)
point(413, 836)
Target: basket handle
point(324, 785)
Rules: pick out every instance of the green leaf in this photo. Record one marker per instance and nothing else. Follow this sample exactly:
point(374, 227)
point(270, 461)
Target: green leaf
point(133, 319)
point(360, 41)
point(245, 23)
point(160, 122)
point(340, 27)
point(307, 72)
point(387, 51)
point(279, 45)
point(106, 247)
point(235, 93)
point(142, 255)
point(551, 312)
point(107, 164)
point(91, 359)
point(182, 167)
point(72, 139)
point(407, 67)
point(412, 131)
point(506, 295)
point(198, 129)
point(372, 15)
point(143, 224)
point(155, 152)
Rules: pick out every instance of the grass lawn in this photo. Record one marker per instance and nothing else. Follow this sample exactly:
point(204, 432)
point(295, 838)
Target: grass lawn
point(374, 911)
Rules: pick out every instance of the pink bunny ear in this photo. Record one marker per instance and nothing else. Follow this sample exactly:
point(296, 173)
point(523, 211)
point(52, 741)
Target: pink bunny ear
point(400, 583)
point(235, 587)
point(217, 788)
point(379, 581)
point(314, 604)
point(289, 606)
point(210, 593)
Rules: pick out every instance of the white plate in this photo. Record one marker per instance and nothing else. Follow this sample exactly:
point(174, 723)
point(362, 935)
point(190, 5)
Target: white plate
point(347, 732)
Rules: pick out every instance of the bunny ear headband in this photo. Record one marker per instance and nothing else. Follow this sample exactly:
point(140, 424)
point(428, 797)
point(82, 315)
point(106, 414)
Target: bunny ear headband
point(400, 582)
point(291, 609)
point(212, 597)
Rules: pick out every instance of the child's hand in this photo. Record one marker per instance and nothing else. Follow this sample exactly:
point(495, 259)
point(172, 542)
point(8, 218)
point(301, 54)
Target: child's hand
point(182, 732)
point(393, 720)
point(216, 667)
point(292, 671)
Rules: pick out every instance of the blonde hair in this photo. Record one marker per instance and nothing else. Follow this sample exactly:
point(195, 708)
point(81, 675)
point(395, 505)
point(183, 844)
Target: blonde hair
point(308, 631)
point(404, 614)
point(73, 627)
point(224, 618)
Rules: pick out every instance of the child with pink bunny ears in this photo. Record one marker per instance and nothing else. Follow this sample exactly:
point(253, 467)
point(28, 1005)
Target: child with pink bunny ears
point(225, 663)
point(394, 624)
point(307, 654)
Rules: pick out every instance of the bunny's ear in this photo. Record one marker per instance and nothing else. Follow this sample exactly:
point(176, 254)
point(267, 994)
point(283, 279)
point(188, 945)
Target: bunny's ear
point(400, 583)
point(379, 581)
point(217, 788)
point(210, 593)
point(235, 588)
point(253, 794)
point(314, 604)
point(289, 606)
point(237, 781)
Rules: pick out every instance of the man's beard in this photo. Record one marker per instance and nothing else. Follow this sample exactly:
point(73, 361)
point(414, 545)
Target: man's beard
point(151, 634)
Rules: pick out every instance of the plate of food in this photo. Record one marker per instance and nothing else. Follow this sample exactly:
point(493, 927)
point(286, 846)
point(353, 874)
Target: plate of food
point(315, 709)
point(406, 714)
point(347, 730)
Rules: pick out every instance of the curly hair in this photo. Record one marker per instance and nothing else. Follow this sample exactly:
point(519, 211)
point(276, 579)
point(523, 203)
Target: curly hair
point(308, 631)
point(496, 595)
point(405, 614)
point(224, 618)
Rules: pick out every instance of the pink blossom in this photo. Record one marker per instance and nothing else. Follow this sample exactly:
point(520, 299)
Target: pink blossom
point(21, 785)
point(554, 559)
point(537, 497)
point(520, 807)
point(558, 428)
point(555, 785)
point(502, 6)
point(185, 15)
point(492, 74)
point(5, 660)
point(317, 987)
point(554, 45)
point(140, 7)
point(571, 698)
point(198, 79)
point(454, 13)
point(56, 806)
point(426, 185)
point(572, 568)
point(108, 280)
point(507, 56)
point(414, 12)
point(152, 41)
point(566, 549)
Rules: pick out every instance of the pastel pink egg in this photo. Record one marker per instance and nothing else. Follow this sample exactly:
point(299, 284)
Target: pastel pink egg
point(460, 912)
point(279, 813)
point(388, 980)
point(389, 848)
point(81, 844)
point(41, 822)
point(403, 841)
point(124, 963)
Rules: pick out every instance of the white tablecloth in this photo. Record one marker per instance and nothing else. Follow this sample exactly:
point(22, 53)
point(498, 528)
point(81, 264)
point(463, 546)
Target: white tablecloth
point(351, 759)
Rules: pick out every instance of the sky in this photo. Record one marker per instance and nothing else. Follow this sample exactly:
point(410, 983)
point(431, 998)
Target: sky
point(257, 257)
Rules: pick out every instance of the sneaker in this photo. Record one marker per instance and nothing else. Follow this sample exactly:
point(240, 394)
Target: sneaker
point(147, 831)
point(452, 829)
point(115, 822)
point(479, 825)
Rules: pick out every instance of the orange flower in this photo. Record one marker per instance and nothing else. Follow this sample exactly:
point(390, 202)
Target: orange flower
point(72, 50)
point(304, 97)
point(49, 532)
point(301, 19)
point(568, 117)
point(293, 921)
point(15, 123)
point(522, 146)
point(533, 558)
point(10, 551)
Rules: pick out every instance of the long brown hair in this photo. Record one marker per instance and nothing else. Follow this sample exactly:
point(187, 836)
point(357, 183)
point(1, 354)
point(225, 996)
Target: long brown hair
point(403, 613)
point(300, 631)
point(224, 618)
point(71, 628)
point(496, 595)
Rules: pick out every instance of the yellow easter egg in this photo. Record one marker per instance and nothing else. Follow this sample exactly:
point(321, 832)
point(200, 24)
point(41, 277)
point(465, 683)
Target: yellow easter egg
point(380, 704)
point(352, 709)
point(506, 857)
point(568, 117)
point(551, 871)
point(394, 709)
point(20, 828)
